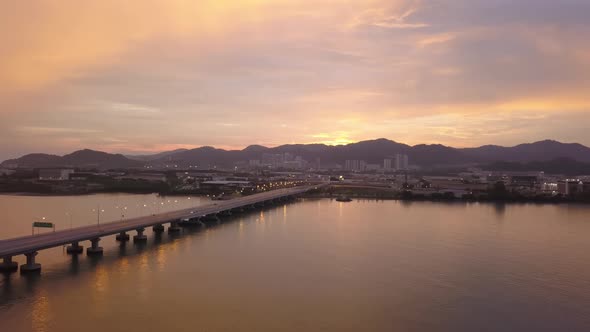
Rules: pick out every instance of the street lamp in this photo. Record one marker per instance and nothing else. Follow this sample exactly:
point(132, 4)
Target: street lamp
point(98, 212)
point(123, 214)
point(69, 214)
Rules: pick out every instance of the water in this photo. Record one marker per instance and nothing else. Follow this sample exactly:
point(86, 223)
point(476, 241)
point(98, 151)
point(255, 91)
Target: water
point(319, 265)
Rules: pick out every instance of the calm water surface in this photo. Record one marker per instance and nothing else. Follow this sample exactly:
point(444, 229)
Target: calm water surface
point(313, 265)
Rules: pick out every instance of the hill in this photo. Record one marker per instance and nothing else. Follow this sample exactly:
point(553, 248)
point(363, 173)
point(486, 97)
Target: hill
point(374, 151)
point(563, 166)
point(88, 159)
point(538, 151)
point(371, 151)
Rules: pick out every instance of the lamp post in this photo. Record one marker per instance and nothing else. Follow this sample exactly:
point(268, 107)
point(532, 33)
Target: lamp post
point(69, 214)
point(98, 212)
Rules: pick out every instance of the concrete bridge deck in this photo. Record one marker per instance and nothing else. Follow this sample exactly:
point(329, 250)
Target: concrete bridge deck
point(29, 245)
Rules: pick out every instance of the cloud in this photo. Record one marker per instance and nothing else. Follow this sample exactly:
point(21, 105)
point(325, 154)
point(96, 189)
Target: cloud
point(435, 39)
point(232, 73)
point(393, 15)
point(55, 130)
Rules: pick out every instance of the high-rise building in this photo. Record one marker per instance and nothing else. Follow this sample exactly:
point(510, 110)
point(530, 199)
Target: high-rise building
point(362, 165)
point(351, 165)
point(401, 162)
point(387, 164)
point(355, 165)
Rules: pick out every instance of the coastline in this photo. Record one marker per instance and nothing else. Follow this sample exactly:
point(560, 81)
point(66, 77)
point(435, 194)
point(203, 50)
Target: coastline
point(458, 200)
point(395, 197)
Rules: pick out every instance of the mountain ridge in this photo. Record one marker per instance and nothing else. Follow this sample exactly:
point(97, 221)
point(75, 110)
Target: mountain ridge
point(84, 158)
point(372, 151)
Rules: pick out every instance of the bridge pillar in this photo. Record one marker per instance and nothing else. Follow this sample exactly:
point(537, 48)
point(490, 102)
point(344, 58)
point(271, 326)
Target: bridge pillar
point(123, 237)
point(8, 265)
point(174, 228)
point(94, 249)
point(140, 237)
point(30, 266)
point(211, 218)
point(159, 228)
point(75, 248)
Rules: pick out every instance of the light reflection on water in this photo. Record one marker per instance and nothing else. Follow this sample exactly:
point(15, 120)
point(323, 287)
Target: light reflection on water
point(326, 265)
point(40, 315)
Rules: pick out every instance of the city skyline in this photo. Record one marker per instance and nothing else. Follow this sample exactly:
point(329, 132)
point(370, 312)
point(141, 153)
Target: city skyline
point(176, 74)
point(527, 151)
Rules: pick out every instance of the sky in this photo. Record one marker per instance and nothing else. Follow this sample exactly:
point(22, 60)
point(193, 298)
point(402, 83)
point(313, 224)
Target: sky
point(153, 75)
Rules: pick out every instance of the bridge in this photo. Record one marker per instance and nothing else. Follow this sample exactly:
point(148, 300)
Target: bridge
point(30, 245)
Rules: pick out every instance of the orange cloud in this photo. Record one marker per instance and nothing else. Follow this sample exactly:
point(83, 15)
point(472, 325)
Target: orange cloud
point(333, 71)
point(53, 40)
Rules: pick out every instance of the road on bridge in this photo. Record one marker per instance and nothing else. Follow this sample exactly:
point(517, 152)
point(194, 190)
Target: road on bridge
point(32, 243)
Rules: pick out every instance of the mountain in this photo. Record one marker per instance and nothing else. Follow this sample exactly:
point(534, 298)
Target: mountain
point(148, 157)
point(78, 159)
point(565, 166)
point(374, 151)
point(34, 160)
point(371, 151)
point(538, 151)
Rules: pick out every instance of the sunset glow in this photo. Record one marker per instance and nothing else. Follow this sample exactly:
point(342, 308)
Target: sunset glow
point(128, 76)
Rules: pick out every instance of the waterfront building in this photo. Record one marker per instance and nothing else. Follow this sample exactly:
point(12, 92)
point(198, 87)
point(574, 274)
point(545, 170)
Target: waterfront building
point(569, 187)
point(55, 174)
point(150, 177)
point(528, 181)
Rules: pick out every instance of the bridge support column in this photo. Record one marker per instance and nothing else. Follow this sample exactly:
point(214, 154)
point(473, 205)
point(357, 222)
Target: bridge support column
point(123, 237)
point(94, 249)
point(159, 228)
point(30, 266)
point(8, 265)
point(211, 218)
point(174, 228)
point(75, 248)
point(140, 237)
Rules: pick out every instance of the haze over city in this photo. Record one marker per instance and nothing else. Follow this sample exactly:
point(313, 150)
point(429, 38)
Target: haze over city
point(138, 77)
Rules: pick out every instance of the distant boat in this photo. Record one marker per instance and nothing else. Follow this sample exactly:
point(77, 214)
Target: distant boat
point(344, 199)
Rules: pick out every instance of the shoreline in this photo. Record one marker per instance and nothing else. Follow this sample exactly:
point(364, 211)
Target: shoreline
point(333, 197)
point(456, 200)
